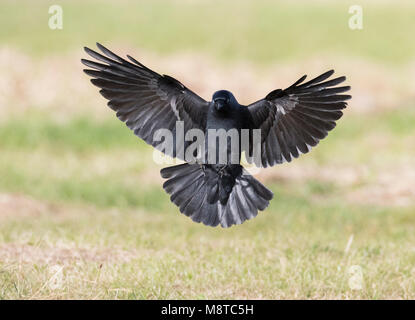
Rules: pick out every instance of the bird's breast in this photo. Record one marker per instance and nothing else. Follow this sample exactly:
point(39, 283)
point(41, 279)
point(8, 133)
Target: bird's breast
point(222, 138)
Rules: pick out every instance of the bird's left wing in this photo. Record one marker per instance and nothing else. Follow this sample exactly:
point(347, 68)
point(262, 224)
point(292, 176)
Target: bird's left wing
point(295, 119)
point(145, 100)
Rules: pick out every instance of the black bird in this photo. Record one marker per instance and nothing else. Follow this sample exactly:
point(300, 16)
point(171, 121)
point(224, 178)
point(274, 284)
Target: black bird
point(291, 122)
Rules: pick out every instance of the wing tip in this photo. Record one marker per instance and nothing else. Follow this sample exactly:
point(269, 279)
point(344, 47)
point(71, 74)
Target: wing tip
point(100, 46)
point(87, 71)
point(85, 62)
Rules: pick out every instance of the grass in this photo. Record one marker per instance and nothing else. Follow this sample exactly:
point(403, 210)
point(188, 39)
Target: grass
point(261, 31)
point(80, 159)
point(99, 232)
point(292, 251)
point(82, 211)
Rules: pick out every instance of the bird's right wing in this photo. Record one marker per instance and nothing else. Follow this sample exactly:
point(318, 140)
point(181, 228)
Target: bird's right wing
point(295, 119)
point(145, 100)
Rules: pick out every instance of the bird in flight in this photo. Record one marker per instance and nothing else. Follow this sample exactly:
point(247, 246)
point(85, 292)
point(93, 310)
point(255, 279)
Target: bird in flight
point(290, 122)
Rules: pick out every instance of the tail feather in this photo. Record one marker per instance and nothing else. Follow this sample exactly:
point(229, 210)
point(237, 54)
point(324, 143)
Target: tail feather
point(210, 216)
point(181, 173)
point(196, 201)
point(200, 194)
point(259, 188)
point(179, 170)
point(198, 215)
point(246, 208)
point(256, 192)
point(233, 211)
point(179, 184)
point(181, 196)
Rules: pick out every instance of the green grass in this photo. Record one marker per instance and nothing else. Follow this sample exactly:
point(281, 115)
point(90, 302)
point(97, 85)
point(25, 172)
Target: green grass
point(82, 209)
point(261, 31)
point(100, 162)
point(77, 134)
point(291, 251)
point(109, 226)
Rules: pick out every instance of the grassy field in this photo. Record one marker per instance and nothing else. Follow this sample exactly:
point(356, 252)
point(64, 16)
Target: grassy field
point(262, 31)
point(82, 211)
point(86, 197)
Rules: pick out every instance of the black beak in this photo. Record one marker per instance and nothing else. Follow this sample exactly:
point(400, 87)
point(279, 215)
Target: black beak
point(219, 104)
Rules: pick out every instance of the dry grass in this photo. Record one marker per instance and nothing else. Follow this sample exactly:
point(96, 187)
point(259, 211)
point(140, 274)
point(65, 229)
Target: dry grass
point(365, 184)
point(83, 214)
point(82, 211)
point(116, 254)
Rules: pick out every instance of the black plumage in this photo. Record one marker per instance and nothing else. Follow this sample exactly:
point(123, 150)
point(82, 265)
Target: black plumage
point(291, 122)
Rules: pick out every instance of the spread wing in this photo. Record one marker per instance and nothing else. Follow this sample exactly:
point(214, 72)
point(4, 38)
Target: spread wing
point(145, 100)
point(294, 120)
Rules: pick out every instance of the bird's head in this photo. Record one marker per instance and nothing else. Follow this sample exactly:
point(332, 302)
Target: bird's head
point(222, 100)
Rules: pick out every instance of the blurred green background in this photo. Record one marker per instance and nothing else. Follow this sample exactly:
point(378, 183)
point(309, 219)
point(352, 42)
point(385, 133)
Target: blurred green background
point(82, 210)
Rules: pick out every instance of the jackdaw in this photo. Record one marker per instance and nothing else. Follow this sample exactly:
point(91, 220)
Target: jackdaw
point(290, 122)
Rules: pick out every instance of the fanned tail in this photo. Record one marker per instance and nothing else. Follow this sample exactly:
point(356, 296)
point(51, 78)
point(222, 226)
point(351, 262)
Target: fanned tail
point(213, 196)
